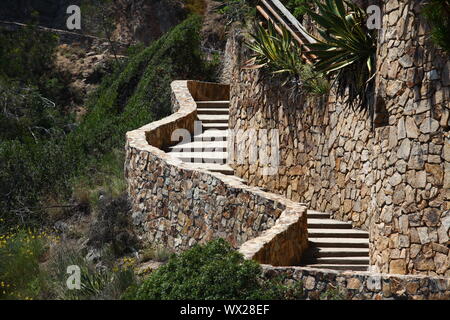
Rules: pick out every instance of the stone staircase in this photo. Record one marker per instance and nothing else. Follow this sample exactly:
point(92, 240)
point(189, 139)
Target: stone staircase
point(208, 150)
point(333, 244)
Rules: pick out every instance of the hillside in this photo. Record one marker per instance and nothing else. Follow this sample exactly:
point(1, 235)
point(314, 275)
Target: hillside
point(67, 177)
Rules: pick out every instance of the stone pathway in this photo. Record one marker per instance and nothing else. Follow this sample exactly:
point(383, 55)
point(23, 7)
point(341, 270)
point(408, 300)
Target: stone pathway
point(333, 244)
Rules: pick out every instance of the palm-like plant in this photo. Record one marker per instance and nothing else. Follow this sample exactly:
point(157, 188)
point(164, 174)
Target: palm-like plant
point(346, 47)
point(278, 53)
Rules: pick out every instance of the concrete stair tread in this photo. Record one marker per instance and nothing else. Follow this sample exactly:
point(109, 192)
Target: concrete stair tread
point(220, 126)
point(339, 242)
point(212, 102)
point(327, 221)
point(222, 168)
point(340, 252)
point(214, 118)
point(213, 111)
point(209, 155)
point(199, 146)
point(314, 223)
point(331, 250)
point(348, 267)
point(211, 133)
point(342, 260)
point(317, 214)
point(332, 233)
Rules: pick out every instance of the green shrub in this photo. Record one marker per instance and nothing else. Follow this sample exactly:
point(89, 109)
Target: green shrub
point(140, 93)
point(437, 13)
point(34, 166)
point(332, 294)
point(237, 10)
point(208, 272)
point(281, 56)
point(195, 6)
point(109, 281)
point(27, 53)
point(298, 8)
point(20, 253)
point(113, 226)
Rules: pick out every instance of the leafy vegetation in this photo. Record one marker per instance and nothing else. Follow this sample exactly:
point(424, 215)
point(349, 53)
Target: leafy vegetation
point(332, 294)
point(52, 167)
point(437, 13)
point(298, 8)
point(113, 226)
point(37, 165)
point(195, 6)
point(237, 10)
point(23, 276)
point(280, 55)
point(210, 272)
point(109, 281)
point(20, 274)
point(346, 48)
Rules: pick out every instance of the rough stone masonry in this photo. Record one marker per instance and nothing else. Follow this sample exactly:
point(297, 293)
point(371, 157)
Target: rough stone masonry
point(392, 177)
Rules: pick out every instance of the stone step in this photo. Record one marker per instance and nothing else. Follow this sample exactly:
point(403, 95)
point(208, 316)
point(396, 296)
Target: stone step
point(212, 104)
point(343, 260)
point(340, 252)
point(221, 168)
point(217, 126)
point(213, 111)
point(339, 243)
point(201, 157)
point(338, 267)
point(337, 233)
point(212, 134)
point(317, 215)
point(328, 224)
point(213, 118)
point(201, 146)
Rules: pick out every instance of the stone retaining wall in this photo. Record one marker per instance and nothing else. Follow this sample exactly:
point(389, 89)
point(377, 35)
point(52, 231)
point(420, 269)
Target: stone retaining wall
point(318, 283)
point(389, 175)
point(175, 205)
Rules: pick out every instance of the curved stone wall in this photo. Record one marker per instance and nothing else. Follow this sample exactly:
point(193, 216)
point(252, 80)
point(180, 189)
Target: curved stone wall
point(175, 205)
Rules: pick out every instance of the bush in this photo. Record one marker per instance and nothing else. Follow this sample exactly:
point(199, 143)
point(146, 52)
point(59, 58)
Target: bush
point(108, 281)
point(214, 271)
point(332, 294)
point(237, 10)
point(140, 93)
point(20, 254)
point(27, 53)
point(298, 8)
point(35, 167)
point(437, 13)
point(113, 226)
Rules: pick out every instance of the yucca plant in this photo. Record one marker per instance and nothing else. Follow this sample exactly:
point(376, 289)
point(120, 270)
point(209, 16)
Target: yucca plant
point(280, 55)
point(346, 48)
